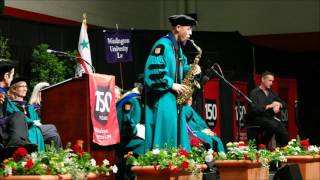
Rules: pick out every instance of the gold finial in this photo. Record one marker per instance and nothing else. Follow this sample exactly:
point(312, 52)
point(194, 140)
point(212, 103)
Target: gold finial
point(84, 16)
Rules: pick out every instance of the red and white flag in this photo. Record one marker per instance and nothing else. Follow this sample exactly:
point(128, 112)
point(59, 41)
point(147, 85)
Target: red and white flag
point(84, 50)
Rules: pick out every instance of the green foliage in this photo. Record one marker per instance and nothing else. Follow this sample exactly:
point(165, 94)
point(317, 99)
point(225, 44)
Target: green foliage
point(242, 151)
point(54, 162)
point(48, 67)
point(4, 48)
point(299, 147)
point(175, 159)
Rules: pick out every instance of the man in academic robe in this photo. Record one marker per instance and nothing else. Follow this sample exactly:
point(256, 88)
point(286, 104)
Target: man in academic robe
point(164, 70)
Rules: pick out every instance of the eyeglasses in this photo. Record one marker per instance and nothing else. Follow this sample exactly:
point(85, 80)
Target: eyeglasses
point(22, 86)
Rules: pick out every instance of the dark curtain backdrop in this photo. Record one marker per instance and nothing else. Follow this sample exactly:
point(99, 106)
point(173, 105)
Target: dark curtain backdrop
point(25, 35)
point(229, 49)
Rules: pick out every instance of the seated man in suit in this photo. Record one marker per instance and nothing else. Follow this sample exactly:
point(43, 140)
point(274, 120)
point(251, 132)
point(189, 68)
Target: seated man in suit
point(198, 127)
point(266, 104)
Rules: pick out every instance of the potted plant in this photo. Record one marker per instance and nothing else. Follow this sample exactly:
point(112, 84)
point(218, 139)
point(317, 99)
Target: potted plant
point(305, 155)
point(170, 162)
point(245, 161)
point(4, 49)
point(297, 147)
point(68, 163)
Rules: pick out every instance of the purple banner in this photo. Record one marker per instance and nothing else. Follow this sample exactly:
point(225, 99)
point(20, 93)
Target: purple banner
point(118, 46)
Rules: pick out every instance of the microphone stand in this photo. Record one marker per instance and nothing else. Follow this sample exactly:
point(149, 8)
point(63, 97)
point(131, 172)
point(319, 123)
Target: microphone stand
point(81, 59)
point(239, 94)
point(296, 113)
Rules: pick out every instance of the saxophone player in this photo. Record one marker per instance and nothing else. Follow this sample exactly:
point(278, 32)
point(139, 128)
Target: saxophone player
point(164, 70)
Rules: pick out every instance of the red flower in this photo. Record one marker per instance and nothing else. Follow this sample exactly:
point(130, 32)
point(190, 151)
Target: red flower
point(80, 143)
point(184, 164)
point(262, 146)
point(29, 164)
point(19, 153)
point(78, 147)
point(195, 142)
point(241, 144)
point(305, 143)
point(183, 152)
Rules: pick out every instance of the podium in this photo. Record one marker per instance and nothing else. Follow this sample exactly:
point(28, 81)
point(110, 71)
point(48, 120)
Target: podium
point(67, 105)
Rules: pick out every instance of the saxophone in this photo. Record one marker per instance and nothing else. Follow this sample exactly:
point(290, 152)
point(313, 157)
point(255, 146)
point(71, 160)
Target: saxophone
point(189, 78)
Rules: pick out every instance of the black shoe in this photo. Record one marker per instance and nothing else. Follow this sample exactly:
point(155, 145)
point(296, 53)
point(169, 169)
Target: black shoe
point(1, 147)
point(7, 152)
point(30, 147)
point(1, 153)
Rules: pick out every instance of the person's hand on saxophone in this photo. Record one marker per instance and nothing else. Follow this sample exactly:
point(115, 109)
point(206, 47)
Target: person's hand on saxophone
point(179, 88)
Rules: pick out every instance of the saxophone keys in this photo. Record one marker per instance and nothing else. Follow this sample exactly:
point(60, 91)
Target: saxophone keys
point(197, 84)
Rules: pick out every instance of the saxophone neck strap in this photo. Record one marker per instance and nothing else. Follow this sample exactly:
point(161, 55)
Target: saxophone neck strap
point(175, 45)
point(176, 49)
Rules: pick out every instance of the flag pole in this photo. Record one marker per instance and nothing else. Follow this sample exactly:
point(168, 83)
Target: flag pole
point(84, 18)
point(120, 66)
point(80, 59)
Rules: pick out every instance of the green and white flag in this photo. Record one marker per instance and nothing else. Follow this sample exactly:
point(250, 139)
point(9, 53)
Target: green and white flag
point(84, 50)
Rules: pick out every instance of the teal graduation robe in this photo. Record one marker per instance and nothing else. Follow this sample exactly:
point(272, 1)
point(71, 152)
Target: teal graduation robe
point(35, 134)
point(197, 124)
point(128, 119)
point(160, 100)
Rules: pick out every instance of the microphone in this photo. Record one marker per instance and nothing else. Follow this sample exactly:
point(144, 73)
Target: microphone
point(207, 76)
point(51, 51)
point(62, 53)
